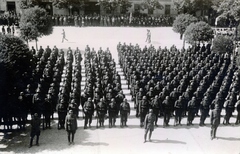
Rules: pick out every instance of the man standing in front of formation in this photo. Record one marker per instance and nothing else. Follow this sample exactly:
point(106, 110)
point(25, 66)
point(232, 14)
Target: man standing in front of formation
point(71, 126)
point(214, 119)
point(35, 129)
point(149, 125)
point(88, 109)
point(148, 40)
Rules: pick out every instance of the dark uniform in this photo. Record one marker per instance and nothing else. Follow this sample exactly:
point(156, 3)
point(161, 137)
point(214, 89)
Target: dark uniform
point(112, 113)
point(35, 129)
point(156, 106)
point(88, 109)
point(62, 112)
point(204, 108)
point(101, 112)
point(229, 107)
point(178, 106)
point(124, 112)
point(143, 109)
point(149, 124)
point(215, 120)
point(167, 111)
point(191, 111)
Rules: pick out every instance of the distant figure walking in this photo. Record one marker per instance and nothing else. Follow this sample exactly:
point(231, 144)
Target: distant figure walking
point(64, 36)
point(148, 39)
point(149, 124)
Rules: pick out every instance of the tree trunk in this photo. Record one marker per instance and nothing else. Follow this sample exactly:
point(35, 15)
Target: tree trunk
point(236, 31)
point(36, 45)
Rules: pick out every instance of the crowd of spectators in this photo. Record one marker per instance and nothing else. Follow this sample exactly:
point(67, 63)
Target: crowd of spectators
point(111, 20)
point(9, 18)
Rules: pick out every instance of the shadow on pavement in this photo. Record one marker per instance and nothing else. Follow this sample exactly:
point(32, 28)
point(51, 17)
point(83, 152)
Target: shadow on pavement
point(167, 141)
point(94, 144)
point(229, 138)
point(50, 140)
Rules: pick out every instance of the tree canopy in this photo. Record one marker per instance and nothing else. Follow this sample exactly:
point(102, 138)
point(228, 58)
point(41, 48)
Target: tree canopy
point(35, 23)
point(222, 44)
point(181, 22)
point(152, 5)
point(69, 3)
point(198, 32)
point(24, 4)
point(112, 5)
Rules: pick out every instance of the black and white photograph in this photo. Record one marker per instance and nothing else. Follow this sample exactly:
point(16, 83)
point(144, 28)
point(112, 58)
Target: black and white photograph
point(119, 76)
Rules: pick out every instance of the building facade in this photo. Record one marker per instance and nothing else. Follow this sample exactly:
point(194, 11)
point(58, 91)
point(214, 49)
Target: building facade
point(90, 8)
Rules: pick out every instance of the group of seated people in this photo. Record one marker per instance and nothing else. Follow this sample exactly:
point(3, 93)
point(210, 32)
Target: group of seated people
point(225, 31)
point(111, 20)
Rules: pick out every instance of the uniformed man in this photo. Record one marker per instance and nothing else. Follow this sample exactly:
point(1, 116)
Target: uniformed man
point(191, 111)
point(166, 111)
point(156, 106)
point(112, 113)
point(88, 109)
point(229, 107)
point(149, 125)
point(204, 108)
point(214, 119)
point(143, 109)
point(124, 112)
point(101, 112)
point(62, 112)
point(178, 106)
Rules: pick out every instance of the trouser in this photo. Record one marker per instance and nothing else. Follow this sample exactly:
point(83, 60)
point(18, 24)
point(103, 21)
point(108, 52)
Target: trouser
point(143, 114)
point(123, 118)
point(112, 118)
point(101, 117)
point(191, 114)
point(178, 116)
point(213, 131)
point(167, 115)
point(71, 133)
point(156, 112)
point(146, 132)
point(61, 120)
point(87, 119)
point(227, 116)
point(204, 114)
point(32, 135)
point(238, 118)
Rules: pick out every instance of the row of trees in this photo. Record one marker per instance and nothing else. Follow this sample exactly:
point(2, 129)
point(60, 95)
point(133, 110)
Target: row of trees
point(107, 5)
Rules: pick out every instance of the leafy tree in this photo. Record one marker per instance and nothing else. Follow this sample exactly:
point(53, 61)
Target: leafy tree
point(69, 4)
point(151, 5)
point(15, 66)
point(230, 9)
point(25, 4)
point(192, 6)
point(181, 22)
point(124, 5)
point(222, 44)
point(198, 32)
point(35, 23)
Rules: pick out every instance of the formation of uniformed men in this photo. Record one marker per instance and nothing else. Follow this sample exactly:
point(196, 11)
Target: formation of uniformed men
point(111, 20)
point(103, 92)
point(179, 83)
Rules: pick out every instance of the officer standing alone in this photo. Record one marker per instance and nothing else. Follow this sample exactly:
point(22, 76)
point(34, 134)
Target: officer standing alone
point(149, 124)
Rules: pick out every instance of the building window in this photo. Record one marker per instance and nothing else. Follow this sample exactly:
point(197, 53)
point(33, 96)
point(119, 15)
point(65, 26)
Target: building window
point(167, 9)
